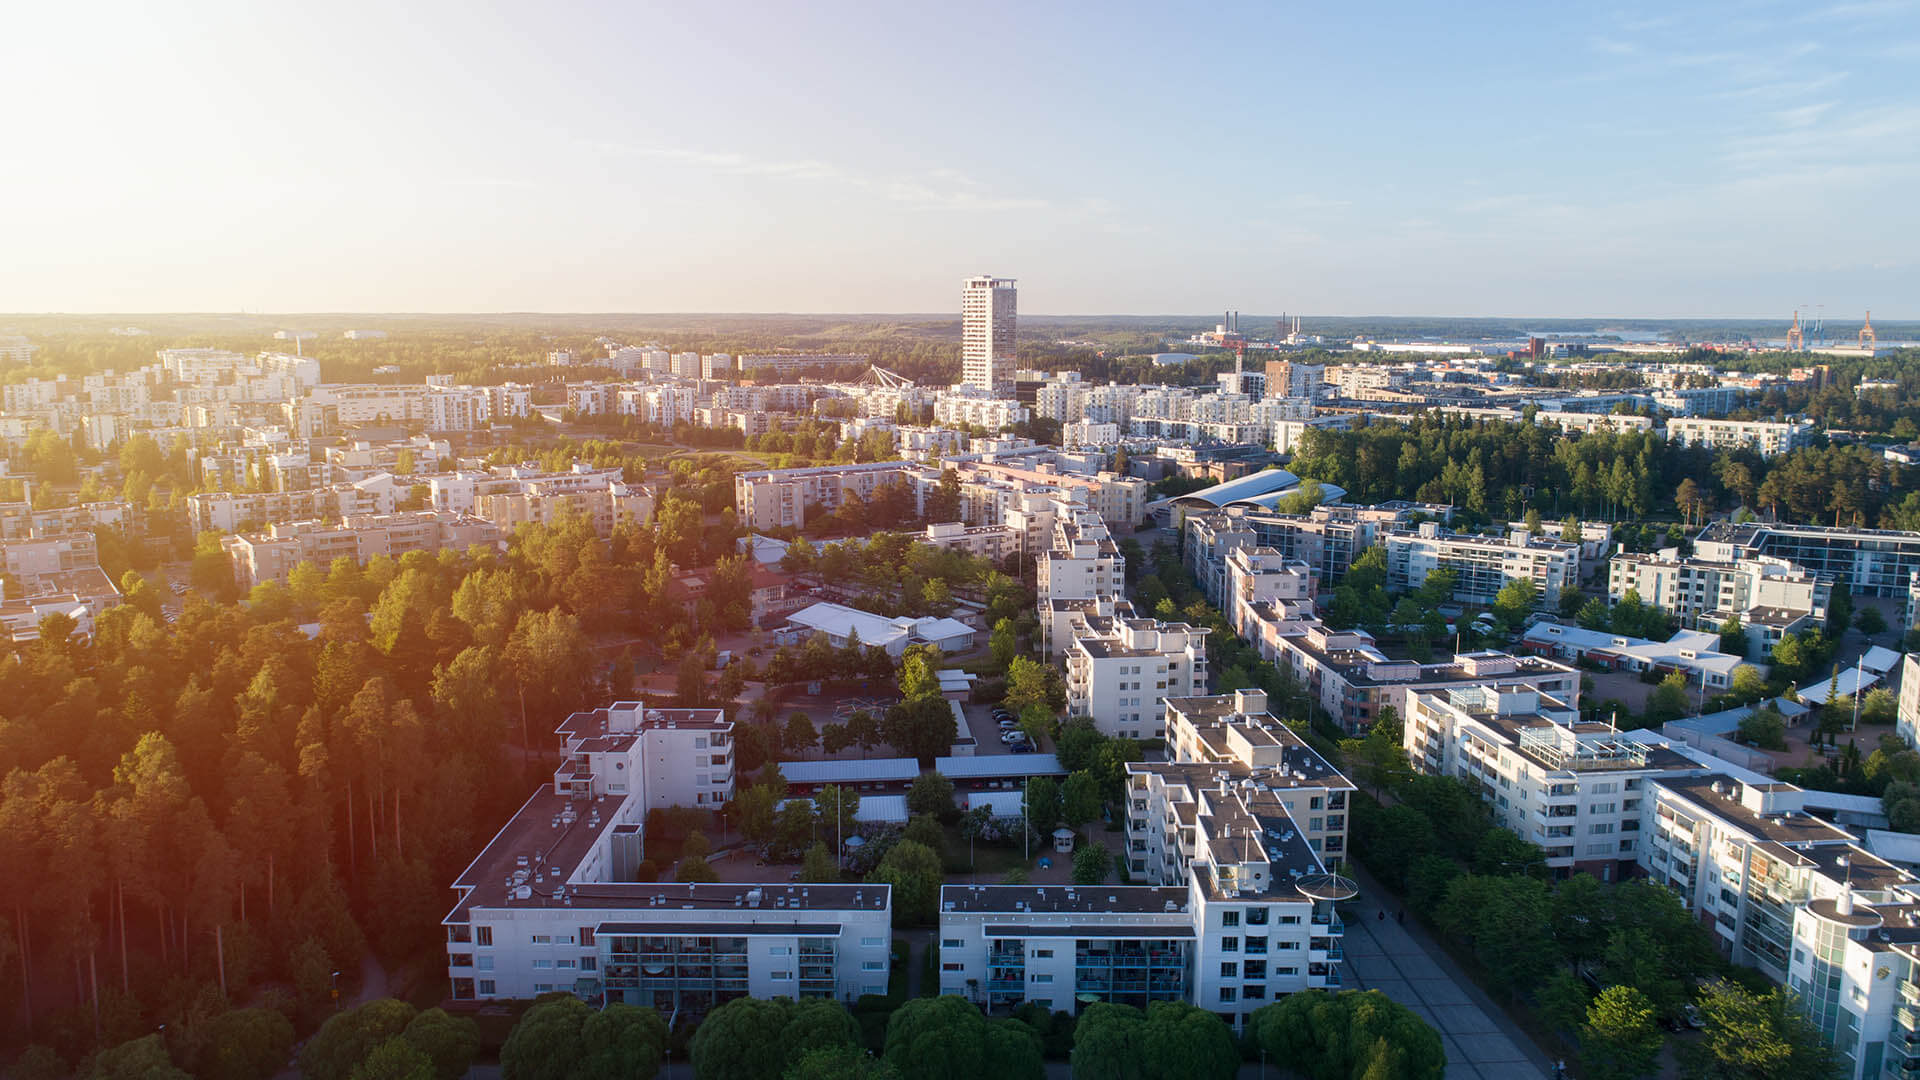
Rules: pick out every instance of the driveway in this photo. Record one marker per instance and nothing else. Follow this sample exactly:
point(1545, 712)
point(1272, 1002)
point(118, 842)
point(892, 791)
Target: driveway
point(1401, 961)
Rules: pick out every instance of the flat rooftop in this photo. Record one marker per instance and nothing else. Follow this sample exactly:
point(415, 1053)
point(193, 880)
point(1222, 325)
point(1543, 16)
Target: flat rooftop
point(1063, 899)
point(1789, 830)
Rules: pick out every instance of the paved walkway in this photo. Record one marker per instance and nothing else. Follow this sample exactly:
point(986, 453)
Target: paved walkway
point(1402, 961)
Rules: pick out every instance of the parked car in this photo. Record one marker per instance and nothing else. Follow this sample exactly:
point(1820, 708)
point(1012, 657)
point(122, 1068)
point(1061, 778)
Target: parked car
point(1008, 723)
point(1020, 748)
point(1013, 736)
point(1691, 1016)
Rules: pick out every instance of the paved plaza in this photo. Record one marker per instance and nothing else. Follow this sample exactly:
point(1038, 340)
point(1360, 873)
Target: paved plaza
point(1401, 961)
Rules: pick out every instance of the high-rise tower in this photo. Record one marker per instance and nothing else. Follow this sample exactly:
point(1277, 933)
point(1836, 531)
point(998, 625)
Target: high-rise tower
point(987, 313)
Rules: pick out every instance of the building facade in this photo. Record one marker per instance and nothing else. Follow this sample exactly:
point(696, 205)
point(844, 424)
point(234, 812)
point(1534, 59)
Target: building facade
point(988, 315)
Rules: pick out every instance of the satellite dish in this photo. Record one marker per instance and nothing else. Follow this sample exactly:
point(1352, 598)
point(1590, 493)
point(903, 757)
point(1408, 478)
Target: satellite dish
point(1328, 887)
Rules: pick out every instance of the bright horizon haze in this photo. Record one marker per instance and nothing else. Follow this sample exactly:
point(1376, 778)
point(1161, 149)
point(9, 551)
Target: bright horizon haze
point(1711, 160)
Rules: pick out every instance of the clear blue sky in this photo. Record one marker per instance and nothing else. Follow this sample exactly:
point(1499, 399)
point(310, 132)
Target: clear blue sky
point(1387, 158)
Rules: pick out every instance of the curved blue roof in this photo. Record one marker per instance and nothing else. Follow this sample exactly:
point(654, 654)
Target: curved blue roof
point(1250, 486)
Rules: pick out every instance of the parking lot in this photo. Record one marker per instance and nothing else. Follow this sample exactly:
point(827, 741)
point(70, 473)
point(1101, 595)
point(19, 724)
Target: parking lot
point(986, 731)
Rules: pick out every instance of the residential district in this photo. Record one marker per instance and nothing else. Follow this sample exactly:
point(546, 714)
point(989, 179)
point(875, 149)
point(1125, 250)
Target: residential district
point(1187, 691)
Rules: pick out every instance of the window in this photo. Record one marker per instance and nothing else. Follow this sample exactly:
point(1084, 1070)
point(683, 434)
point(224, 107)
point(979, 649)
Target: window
point(782, 976)
point(484, 963)
point(1229, 970)
point(1285, 945)
point(1230, 918)
point(586, 935)
point(542, 963)
point(589, 963)
point(567, 964)
point(1257, 916)
point(1288, 920)
point(1043, 954)
point(1228, 993)
point(873, 965)
point(1042, 978)
point(1255, 993)
point(1287, 971)
point(1231, 944)
point(952, 966)
point(1314, 824)
point(1256, 946)
point(872, 941)
point(945, 943)
point(780, 950)
point(1313, 803)
point(1600, 828)
point(1256, 969)
point(486, 986)
point(543, 939)
point(543, 988)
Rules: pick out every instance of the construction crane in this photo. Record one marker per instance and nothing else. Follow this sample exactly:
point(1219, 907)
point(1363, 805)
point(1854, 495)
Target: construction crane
point(1796, 338)
point(1867, 339)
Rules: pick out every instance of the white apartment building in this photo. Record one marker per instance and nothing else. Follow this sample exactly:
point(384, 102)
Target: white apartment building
point(608, 504)
point(1771, 597)
point(961, 410)
point(1263, 584)
point(272, 555)
point(1794, 896)
point(1118, 500)
point(1083, 562)
point(988, 314)
point(782, 498)
point(1578, 790)
point(1908, 723)
point(509, 400)
point(1242, 909)
point(1121, 669)
point(1347, 675)
point(1586, 423)
point(1089, 433)
point(1765, 436)
point(228, 511)
point(1286, 433)
point(1484, 564)
point(553, 905)
point(994, 542)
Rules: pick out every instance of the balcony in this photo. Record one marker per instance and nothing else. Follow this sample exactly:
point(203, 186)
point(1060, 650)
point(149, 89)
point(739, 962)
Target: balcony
point(1332, 924)
point(1910, 992)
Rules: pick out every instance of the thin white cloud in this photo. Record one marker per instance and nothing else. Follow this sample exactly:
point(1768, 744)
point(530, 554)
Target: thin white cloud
point(1804, 115)
point(1784, 88)
point(1858, 9)
point(940, 188)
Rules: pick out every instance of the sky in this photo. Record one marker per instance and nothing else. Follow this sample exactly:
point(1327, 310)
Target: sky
point(1413, 158)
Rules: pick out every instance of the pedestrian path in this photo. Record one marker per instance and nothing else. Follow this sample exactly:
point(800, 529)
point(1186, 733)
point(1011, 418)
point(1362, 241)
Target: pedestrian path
point(1403, 962)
